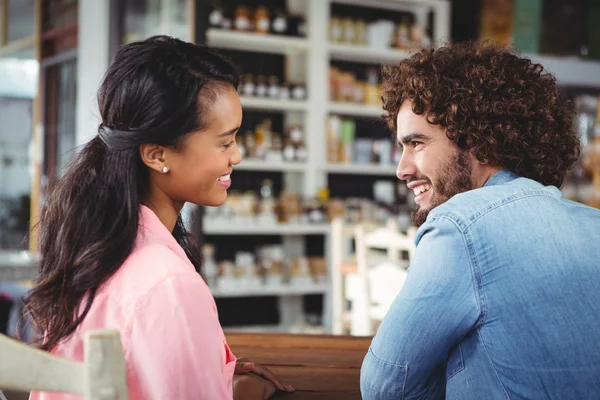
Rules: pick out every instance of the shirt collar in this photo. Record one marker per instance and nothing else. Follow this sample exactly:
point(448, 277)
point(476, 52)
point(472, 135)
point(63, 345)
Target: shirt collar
point(501, 177)
point(150, 221)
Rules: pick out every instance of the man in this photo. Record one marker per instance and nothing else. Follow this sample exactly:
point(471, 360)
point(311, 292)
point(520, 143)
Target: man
point(501, 299)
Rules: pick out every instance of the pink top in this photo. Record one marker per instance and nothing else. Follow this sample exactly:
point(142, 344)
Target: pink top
point(173, 343)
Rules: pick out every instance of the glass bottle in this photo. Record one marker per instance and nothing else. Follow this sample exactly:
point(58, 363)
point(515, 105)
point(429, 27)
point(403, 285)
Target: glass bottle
point(241, 19)
point(280, 24)
point(262, 22)
point(248, 86)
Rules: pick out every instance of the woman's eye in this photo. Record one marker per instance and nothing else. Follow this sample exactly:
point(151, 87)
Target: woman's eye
point(228, 145)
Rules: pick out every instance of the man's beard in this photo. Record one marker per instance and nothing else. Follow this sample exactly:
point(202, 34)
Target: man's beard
point(454, 177)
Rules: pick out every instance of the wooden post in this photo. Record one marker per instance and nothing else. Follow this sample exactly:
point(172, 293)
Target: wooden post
point(38, 137)
point(3, 23)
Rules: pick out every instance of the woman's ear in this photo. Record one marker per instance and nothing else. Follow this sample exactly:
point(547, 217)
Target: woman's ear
point(154, 156)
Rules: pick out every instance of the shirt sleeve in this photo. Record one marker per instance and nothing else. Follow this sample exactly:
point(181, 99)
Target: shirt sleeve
point(177, 347)
point(433, 312)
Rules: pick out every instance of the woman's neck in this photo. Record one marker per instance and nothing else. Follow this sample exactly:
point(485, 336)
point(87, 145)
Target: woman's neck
point(166, 210)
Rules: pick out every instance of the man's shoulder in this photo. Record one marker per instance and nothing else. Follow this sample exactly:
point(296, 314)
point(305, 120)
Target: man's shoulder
point(466, 208)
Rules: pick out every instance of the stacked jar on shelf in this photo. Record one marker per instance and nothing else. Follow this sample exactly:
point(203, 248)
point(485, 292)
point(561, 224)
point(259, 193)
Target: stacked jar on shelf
point(259, 20)
point(343, 147)
point(266, 267)
point(263, 143)
point(346, 88)
point(381, 34)
point(266, 210)
point(260, 86)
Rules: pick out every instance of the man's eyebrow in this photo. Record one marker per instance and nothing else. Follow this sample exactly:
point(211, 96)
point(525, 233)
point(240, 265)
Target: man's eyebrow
point(412, 136)
point(229, 132)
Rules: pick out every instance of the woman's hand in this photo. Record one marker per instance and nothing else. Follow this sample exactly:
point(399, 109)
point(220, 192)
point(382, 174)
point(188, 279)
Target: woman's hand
point(252, 387)
point(245, 366)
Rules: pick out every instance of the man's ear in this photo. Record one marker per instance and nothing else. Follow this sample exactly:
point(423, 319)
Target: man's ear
point(480, 160)
point(154, 156)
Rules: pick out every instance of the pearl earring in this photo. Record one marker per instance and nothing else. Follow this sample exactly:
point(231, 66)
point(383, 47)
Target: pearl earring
point(165, 170)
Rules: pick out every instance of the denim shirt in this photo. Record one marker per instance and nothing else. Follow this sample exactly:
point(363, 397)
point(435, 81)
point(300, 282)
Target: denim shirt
point(502, 301)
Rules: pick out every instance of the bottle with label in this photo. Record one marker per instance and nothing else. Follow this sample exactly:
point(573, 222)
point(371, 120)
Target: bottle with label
point(403, 34)
point(248, 86)
point(250, 144)
point(241, 19)
point(284, 91)
point(241, 147)
point(262, 22)
point(215, 18)
point(273, 90)
point(211, 270)
point(313, 212)
point(349, 31)
point(296, 135)
point(289, 152)
point(279, 25)
point(299, 91)
point(261, 86)
point(336, 30)
point(301, 152)
point(361, 32)
point(372, 88)
point(301, 27)
point(275, 152)
point(267, 202)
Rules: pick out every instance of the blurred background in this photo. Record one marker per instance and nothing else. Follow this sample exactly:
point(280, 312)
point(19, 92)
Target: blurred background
point(280, 255)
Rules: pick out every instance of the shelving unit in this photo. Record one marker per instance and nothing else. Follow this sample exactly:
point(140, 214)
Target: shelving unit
point(308, 60)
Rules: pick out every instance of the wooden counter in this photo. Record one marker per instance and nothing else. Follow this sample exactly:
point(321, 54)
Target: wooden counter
point(317, 366)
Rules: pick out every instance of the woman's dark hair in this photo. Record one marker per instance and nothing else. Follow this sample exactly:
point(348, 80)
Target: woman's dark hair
point(503, 108)
point(156, 91)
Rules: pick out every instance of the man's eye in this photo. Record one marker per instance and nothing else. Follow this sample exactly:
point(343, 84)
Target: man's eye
point(415, 143)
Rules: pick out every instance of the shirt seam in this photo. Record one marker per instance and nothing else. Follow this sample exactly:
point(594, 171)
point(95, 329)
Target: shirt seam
point(465, 225)
point(402, 366)
point(487, 354)
point(476, 279)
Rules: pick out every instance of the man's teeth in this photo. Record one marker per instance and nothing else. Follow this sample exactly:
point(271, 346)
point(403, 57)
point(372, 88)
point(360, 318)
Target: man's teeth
point(420, 189)
point(224, 178)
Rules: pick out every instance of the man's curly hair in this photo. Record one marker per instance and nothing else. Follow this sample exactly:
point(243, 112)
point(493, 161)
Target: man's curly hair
point(505, 109)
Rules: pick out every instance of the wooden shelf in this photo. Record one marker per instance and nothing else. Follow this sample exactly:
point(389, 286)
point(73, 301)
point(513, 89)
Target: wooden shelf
point(364, 54)
point(255, 228)
point(261, 103)
point(248, 41)
point(263, 165)
point(361, 169)
point(356, 110)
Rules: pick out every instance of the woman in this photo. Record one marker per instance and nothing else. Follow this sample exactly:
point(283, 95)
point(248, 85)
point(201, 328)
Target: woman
point(114, 252)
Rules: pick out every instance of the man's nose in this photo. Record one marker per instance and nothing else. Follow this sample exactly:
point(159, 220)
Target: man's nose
point(406, 167)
